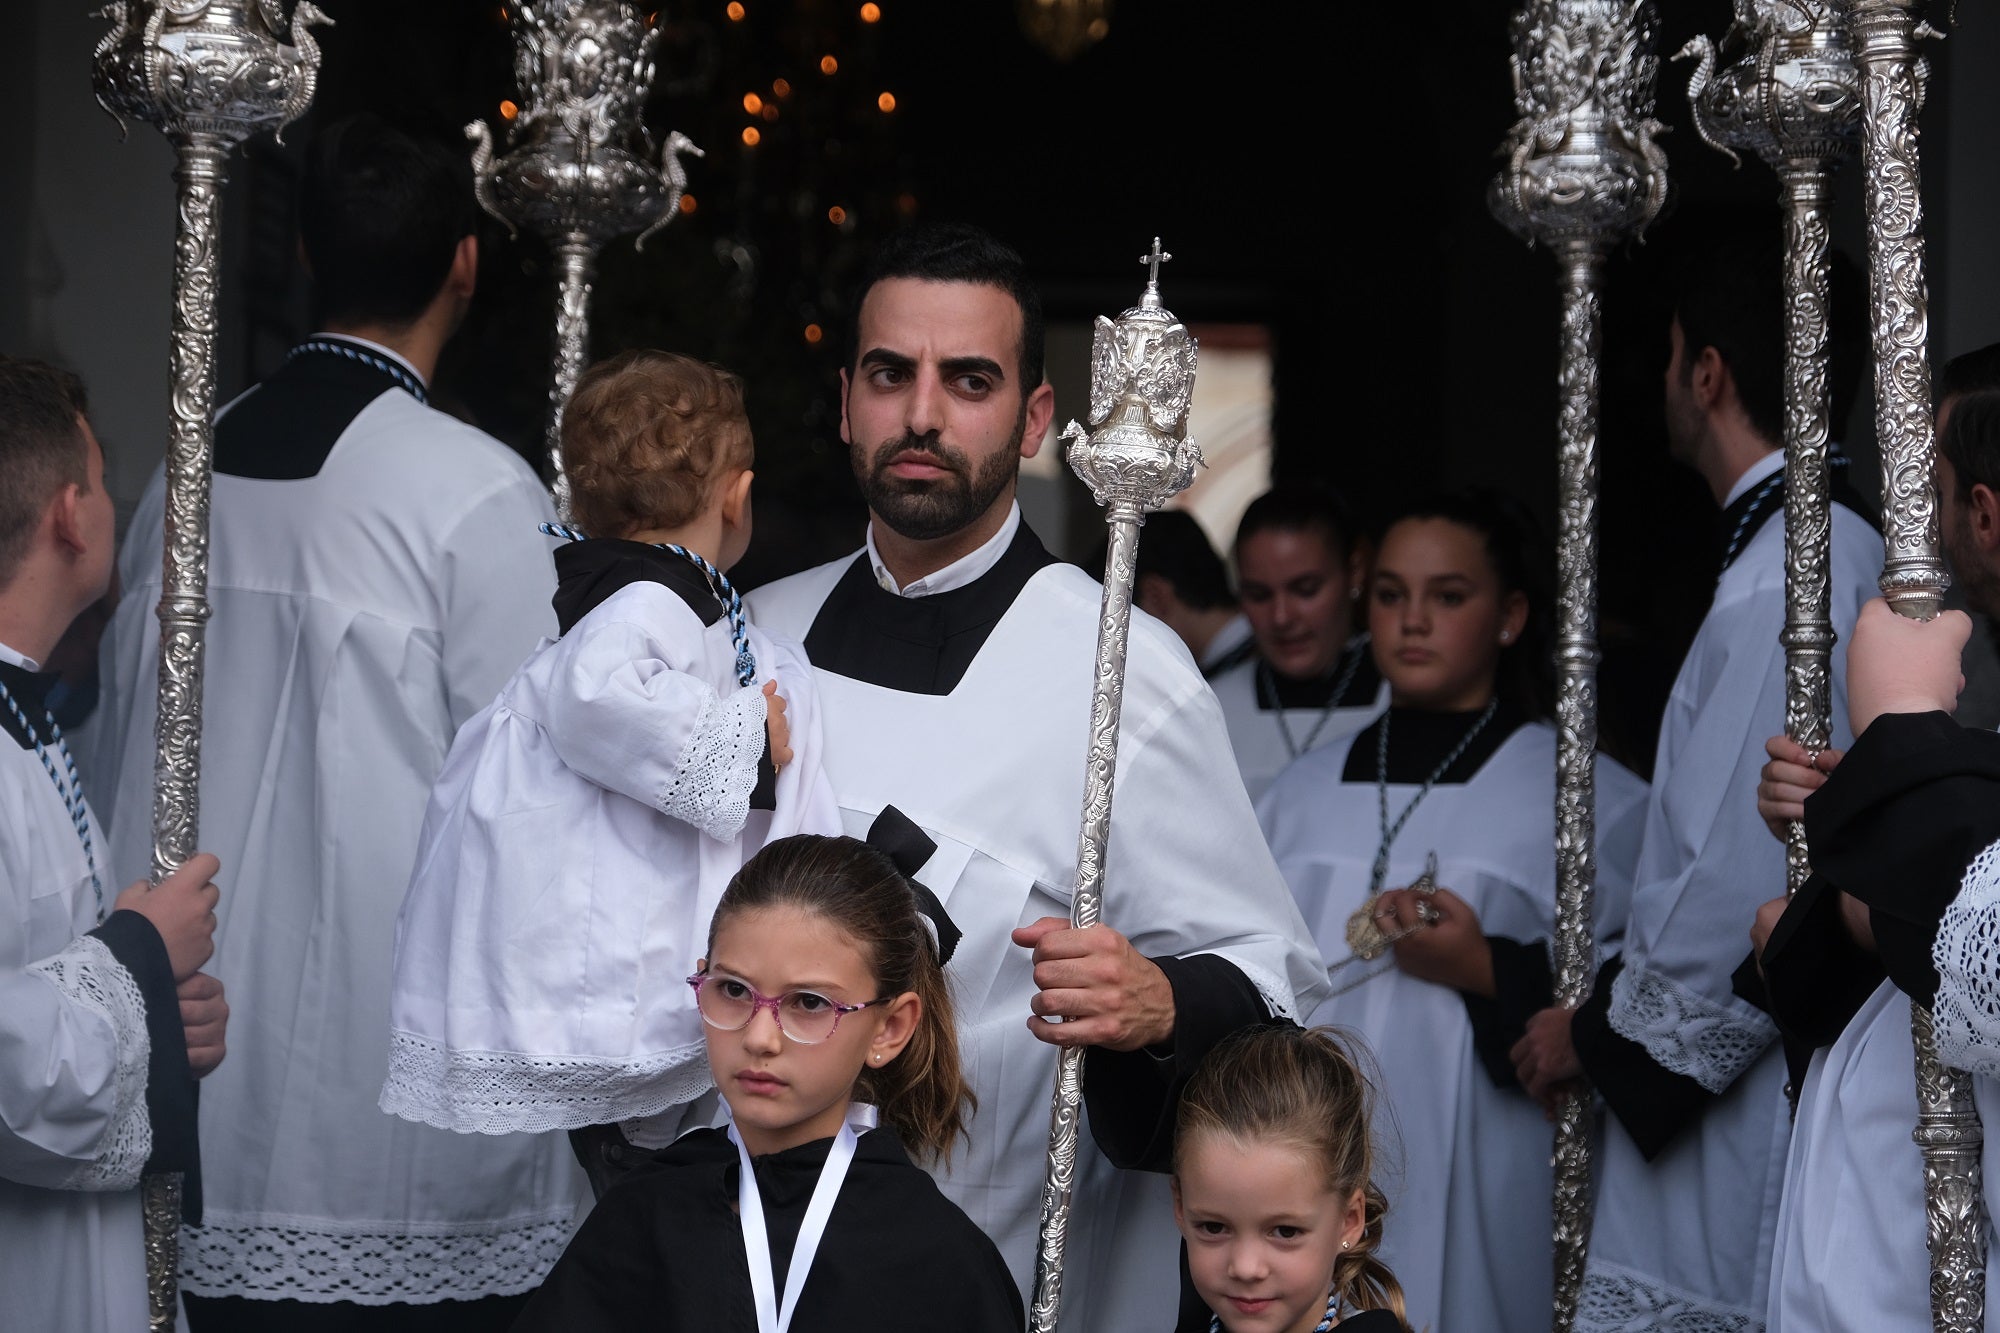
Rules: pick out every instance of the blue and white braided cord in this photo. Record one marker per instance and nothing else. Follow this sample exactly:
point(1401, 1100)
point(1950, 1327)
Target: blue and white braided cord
point(70, 791)
point(718, 584)
point(410, 383)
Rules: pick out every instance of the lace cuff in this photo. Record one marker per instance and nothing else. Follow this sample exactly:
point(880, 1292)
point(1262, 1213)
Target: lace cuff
point(1967, 955)
point(89, 977)
point(718, 770)
point(1617, 1300)
point(503, 1092)
point(1686, 1032)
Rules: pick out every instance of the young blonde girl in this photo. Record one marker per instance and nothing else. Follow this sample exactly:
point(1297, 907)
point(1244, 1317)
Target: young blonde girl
point(830, 1036)
point(1273, 1188)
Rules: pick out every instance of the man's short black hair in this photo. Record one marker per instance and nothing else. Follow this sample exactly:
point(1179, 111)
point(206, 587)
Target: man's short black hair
point(41, 449)
point(1301, 506)
point(1173, 546)
point(1971, 440)
point(955, 252)
point(1969, 372)
point(381, 213)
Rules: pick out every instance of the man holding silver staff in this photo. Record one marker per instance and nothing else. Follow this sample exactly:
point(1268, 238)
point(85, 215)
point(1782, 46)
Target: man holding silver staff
point(103, 1013)
point(955, 667)
point(1901, 900)
point(376, 573)
point(1693, 1152)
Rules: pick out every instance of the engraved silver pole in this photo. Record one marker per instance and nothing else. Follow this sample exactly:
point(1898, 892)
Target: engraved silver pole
point(1789, 92)
point(578, 168)
point(1885, 34)
point(209, 74)
point(1583, 172)
point(1136, 456)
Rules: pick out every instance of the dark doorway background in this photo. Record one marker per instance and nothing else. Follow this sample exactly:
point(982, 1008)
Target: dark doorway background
point(1310, 172)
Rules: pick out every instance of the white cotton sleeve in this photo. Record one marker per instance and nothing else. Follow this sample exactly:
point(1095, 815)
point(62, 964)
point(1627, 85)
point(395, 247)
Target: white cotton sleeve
point(495, 581)
point(621, 713)
point(73, 1057)
point(1966, 953)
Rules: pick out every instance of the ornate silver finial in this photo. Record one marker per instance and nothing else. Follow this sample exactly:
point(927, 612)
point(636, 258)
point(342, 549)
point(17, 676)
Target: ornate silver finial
point(579, 167)
point(1137, 454)
point(1582, 161)
point(1781, 83)
point(217, 68)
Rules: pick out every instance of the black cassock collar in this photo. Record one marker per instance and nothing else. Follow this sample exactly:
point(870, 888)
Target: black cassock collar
point(589, 571)
point(919, 645)
point(31, 691)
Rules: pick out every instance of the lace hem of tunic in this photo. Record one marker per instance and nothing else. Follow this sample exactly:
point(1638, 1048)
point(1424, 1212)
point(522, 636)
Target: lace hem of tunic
point(718, 770)
point(1617, 1300)
point(1966, 953)
point(316, 1260)
point(87, 974)
point(1685, 1032)
point(502, 1092)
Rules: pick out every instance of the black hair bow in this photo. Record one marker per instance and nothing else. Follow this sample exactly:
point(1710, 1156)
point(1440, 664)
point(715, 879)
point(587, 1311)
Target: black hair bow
point(898, 837)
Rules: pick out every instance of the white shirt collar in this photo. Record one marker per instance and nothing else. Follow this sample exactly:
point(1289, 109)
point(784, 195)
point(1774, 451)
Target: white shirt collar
point(1754, 474)
point(374, 346)
point(13, 658)
point(960, 572)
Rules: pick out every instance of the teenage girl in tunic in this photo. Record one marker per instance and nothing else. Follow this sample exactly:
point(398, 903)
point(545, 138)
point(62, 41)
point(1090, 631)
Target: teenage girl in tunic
point(1273, 1159)
point(1422, 856)
point(830, 1034)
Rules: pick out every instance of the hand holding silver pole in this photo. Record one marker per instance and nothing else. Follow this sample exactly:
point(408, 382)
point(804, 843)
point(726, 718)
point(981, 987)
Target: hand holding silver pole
point(1583, 173)
point(579, 169)
point(1884, 35)
point(1135, 457)
point(209, 74)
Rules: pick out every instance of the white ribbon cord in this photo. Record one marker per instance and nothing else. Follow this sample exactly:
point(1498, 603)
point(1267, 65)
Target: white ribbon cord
point(771, 1316)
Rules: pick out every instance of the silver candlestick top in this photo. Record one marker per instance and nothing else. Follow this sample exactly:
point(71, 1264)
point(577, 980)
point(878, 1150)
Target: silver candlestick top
point(1582, 161)
point(217, 68)
point(579, 164)
point(1137, 454)
point(1781, 83)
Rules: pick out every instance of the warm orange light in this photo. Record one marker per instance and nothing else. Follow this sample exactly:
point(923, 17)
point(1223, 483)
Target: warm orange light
point(508, 111)
point(688, 204)
point(871, 13)
point(503, 13)
point(906, 204)
point(887, 101)
point(751, 138)
point(735, 12)
point(814, 333)
point(770, 110)
point(781, 87)
point(827, 64)
point(836, 215)
point(752, 103)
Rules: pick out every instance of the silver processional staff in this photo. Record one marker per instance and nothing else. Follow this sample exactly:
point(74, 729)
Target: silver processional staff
point(1135, 457)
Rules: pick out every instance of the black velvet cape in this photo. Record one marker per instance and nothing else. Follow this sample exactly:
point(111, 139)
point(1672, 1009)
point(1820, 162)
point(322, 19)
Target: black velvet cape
point(663, 1249)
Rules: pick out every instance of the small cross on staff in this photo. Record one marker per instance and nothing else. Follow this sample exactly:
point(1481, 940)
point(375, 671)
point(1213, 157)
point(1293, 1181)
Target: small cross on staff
point(1152, 261)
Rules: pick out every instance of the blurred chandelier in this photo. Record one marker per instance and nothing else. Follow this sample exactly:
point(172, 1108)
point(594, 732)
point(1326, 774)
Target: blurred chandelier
point(1065, 28)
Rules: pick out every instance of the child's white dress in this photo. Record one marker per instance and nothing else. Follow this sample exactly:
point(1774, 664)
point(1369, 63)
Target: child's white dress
point(579, 836)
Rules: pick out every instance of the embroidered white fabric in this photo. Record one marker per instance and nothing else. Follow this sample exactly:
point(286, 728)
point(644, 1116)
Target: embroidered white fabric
point(503, 1092)
point(87, 974)
point(1277, 996)
point(718, 769)
point(1686, 1032)
point(1617, 1300)
point(1966, 953)
point(301, 1259)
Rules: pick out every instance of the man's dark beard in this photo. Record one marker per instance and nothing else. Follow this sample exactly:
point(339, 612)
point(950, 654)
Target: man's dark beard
point(923, 511)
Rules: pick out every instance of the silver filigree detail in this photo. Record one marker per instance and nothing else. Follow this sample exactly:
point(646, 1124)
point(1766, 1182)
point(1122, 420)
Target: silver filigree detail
point(1135, 458)
point(209, 74)
point(579, 168)
point(1884, 34)
point(1584, 171)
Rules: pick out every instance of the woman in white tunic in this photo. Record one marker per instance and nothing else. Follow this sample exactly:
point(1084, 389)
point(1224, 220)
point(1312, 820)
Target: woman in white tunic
point(1453, 789)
